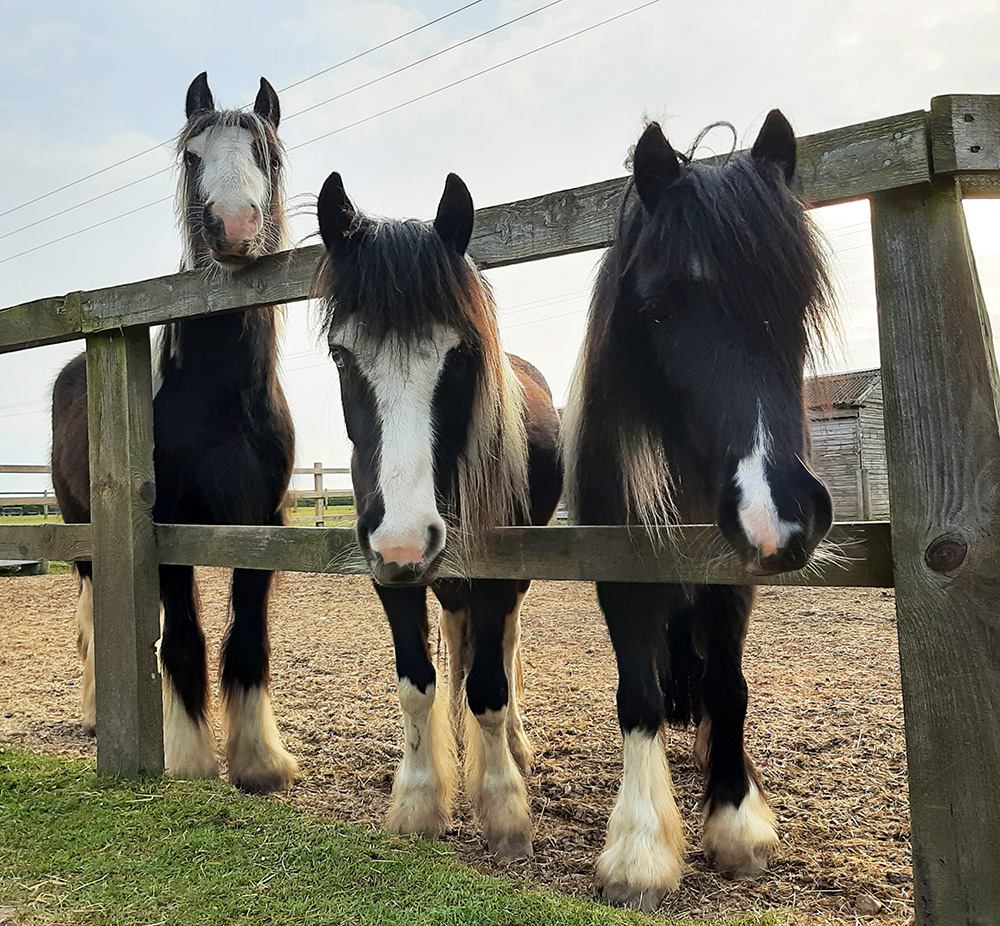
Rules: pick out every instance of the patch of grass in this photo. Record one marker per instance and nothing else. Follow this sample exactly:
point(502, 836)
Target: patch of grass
point(30, 519)
point(78, 848)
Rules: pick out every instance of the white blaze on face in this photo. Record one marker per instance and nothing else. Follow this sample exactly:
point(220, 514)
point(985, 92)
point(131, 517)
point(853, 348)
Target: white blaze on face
point(757, 511)
point(403, 381)
point(231, 179)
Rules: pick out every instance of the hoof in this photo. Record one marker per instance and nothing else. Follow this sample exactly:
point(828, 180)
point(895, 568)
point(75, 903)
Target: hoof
point(740, 841)
point(419, 817)
point(743, 862)
point(511, 846)
point(191, 767)
point(621, 894)
point(276, 772)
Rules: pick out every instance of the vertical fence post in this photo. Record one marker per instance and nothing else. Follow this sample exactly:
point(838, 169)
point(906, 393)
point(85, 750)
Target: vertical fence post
point(318, 486)
point(943, 447)
point(126, 583)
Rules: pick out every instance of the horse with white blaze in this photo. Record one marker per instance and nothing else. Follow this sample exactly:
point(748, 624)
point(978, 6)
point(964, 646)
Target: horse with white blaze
point(223, 444)
point(687, 407)
point(451, 437)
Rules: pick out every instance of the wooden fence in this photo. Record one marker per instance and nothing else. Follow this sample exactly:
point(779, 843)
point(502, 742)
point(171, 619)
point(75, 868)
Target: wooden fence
point(318, 491)
point(942, 431)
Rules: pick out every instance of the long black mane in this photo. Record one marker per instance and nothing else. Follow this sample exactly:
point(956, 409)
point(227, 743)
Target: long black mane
point(398, 280)
point(683, 250)
point(401, 281)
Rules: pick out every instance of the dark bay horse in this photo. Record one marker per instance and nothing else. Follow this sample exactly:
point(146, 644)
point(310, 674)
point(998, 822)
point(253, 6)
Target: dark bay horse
point(223, 444)
point(687, 407)
point(451, 437)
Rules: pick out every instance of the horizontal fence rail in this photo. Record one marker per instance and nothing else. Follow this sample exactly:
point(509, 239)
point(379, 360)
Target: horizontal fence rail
point(859, 554)
point(941, 551)
point(834, 166)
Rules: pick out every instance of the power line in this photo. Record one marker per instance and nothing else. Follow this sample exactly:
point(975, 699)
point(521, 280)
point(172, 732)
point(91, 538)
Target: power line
point(375, 48)
point(300, 112)
point(114, 218)
point(86, 202)
point(369, 118)
point(425, 59)
point(488, 70)
point(297, 83)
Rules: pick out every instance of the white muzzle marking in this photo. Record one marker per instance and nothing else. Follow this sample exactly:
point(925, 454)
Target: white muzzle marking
point(403, 380)
point(758, 513)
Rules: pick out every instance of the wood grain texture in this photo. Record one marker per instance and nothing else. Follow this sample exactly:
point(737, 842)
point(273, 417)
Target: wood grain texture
point(943, 445)
point(126, 580)
point(694, 554)
point(834, 166)
point(45, 541)
point(43, 321)
point(965, 134)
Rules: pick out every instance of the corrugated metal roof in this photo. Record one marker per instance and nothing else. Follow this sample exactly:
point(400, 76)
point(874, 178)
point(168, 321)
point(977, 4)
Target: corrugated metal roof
point(842, 390)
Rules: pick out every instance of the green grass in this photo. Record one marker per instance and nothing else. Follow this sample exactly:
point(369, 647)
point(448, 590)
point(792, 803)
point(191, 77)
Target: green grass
point(78, 848)
point(30, 519)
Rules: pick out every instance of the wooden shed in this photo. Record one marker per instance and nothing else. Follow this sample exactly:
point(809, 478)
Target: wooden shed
point(848, 442)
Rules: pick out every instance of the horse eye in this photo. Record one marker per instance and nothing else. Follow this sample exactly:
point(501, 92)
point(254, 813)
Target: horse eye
point(337, 356)
point(191, 159)
point(276, 163)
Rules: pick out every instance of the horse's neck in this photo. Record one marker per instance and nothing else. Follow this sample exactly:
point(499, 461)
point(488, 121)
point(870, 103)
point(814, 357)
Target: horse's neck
point(238, 347)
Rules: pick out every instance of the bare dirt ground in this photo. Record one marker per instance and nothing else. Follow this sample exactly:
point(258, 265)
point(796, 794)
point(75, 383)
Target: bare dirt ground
point(825, 729)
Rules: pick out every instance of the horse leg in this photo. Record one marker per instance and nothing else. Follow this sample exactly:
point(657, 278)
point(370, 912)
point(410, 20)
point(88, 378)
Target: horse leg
point(520, 748)
point(739, 835)
point(188, 742)
point(642, 855)
point(258, 761)
point(424, 786)
point(455, 630)
point(496, 787)
point(85, 644)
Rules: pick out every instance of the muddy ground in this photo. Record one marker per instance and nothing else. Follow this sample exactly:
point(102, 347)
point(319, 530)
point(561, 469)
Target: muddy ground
point(825, 728)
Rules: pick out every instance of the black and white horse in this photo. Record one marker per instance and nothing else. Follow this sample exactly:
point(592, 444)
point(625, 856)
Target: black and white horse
point(451, 437)
point(223, 444)
point(688, 407)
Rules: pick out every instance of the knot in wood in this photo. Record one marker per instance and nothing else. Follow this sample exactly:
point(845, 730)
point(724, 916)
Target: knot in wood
point(946, 553)
point(147, 491)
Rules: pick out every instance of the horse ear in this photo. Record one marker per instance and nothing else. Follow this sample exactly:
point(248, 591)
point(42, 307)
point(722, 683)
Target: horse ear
point(266, 105)
point(455, 214)
point(655, 166)
point(776, 144)
point(336, 213)
point(199, 97)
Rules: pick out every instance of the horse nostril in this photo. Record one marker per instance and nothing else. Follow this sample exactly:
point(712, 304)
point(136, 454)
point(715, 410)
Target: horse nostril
point(212, 221)
point(435, 538)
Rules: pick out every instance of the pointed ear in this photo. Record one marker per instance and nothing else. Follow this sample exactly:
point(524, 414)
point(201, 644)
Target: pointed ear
point(455, 214)
point(266, 105)
point(655, 166)
point(337, 216)
point(776, 144)
point(199, 97)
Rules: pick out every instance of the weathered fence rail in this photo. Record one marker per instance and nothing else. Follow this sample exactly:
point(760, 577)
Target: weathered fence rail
point(292, 497)
point(942, 429)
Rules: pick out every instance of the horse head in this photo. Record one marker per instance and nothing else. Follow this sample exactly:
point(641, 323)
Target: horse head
point(229, 197)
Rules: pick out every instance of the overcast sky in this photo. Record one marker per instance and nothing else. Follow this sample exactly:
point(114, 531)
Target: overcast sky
point(88, 84)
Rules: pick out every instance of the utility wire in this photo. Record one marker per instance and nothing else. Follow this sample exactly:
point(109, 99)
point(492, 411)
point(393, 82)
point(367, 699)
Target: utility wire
point(375, 48)
point(80, 231)
point(366, 119)
point(425, 59)
point(469, 77)
point(297, 83)
point(300, 112)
